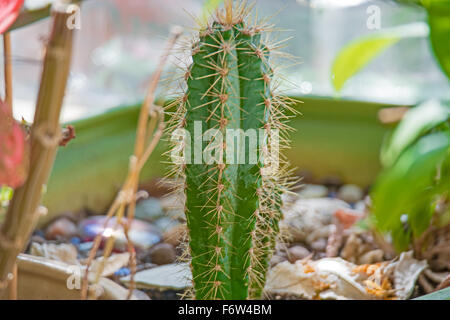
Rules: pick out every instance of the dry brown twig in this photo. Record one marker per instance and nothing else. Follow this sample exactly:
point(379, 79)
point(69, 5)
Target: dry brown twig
point(7, 68)
point(123, 207)
point(25, 209)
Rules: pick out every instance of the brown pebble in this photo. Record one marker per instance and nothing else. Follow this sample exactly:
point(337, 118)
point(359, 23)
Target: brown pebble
point(163, 253)
point(297, 253)
point(175, 235)
point(61, 228)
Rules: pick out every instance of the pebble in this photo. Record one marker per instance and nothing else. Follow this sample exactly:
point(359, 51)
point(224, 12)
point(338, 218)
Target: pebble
point(140, 295)
point(347, 217)
point(319, 245)
point(173, 206)
point(75, 241)
point(163, 253)
point(142, 234)
point(312, 191)
point(307, 217)
point(175, 235)
point(168, 277)
point(360, 206)
point(85, 246)
point(122, 272)
point(149, 209)
point(350, 193)
point(61, 228)
point(173, 201)
point(297, 252)
point(165, 223)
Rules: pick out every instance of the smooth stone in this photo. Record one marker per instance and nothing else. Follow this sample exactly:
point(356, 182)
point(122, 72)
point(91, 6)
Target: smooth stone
point(163, 253)
point(319, 245)
point(173, 206)
point(165, 223)
point(75, 241)
point(142, 234)
point(297, 252)
point(140, 295)
point(122, 272)
point(350, 193)
point(149, 209)
point(174, 201)
point(61, 228)
point(360, 206)
point(308, 216)
point(309, 191)
point(85, 246)
point(175, 235)
point(175, 276)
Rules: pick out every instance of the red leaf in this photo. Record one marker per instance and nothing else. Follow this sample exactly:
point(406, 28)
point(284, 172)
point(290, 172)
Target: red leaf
point(13, 150)
point(9, 10)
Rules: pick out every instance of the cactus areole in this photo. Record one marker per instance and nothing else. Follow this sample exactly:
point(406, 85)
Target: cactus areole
point(231, 122)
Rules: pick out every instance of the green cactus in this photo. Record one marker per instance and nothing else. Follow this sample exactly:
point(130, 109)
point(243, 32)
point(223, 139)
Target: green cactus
point(232, 207)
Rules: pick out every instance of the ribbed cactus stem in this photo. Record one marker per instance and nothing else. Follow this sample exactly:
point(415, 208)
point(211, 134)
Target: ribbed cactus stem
point(232, 204)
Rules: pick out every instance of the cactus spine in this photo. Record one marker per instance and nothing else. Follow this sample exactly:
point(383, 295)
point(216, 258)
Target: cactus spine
point(232, 207)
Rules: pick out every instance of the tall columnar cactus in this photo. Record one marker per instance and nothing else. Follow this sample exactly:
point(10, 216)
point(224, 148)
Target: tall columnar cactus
point(233, 201)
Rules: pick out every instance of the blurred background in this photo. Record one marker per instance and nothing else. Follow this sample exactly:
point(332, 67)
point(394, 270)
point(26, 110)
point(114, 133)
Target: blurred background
point(119, 43)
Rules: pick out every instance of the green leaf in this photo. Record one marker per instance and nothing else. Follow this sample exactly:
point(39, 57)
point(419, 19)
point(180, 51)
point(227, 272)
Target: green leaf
point(360, 52)
point(439, 21)
point(6, 194)
point(409, 188)
point(443, 294)
point(414, 124)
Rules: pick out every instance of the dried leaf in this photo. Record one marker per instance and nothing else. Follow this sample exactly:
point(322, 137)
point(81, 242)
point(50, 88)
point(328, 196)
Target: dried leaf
point(407, 271)
point(335, 278)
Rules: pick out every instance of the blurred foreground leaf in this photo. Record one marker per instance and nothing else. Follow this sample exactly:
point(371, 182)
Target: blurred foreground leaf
point(439, 21)
point(415, 123)
point(443, 294)
point(405, 194)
